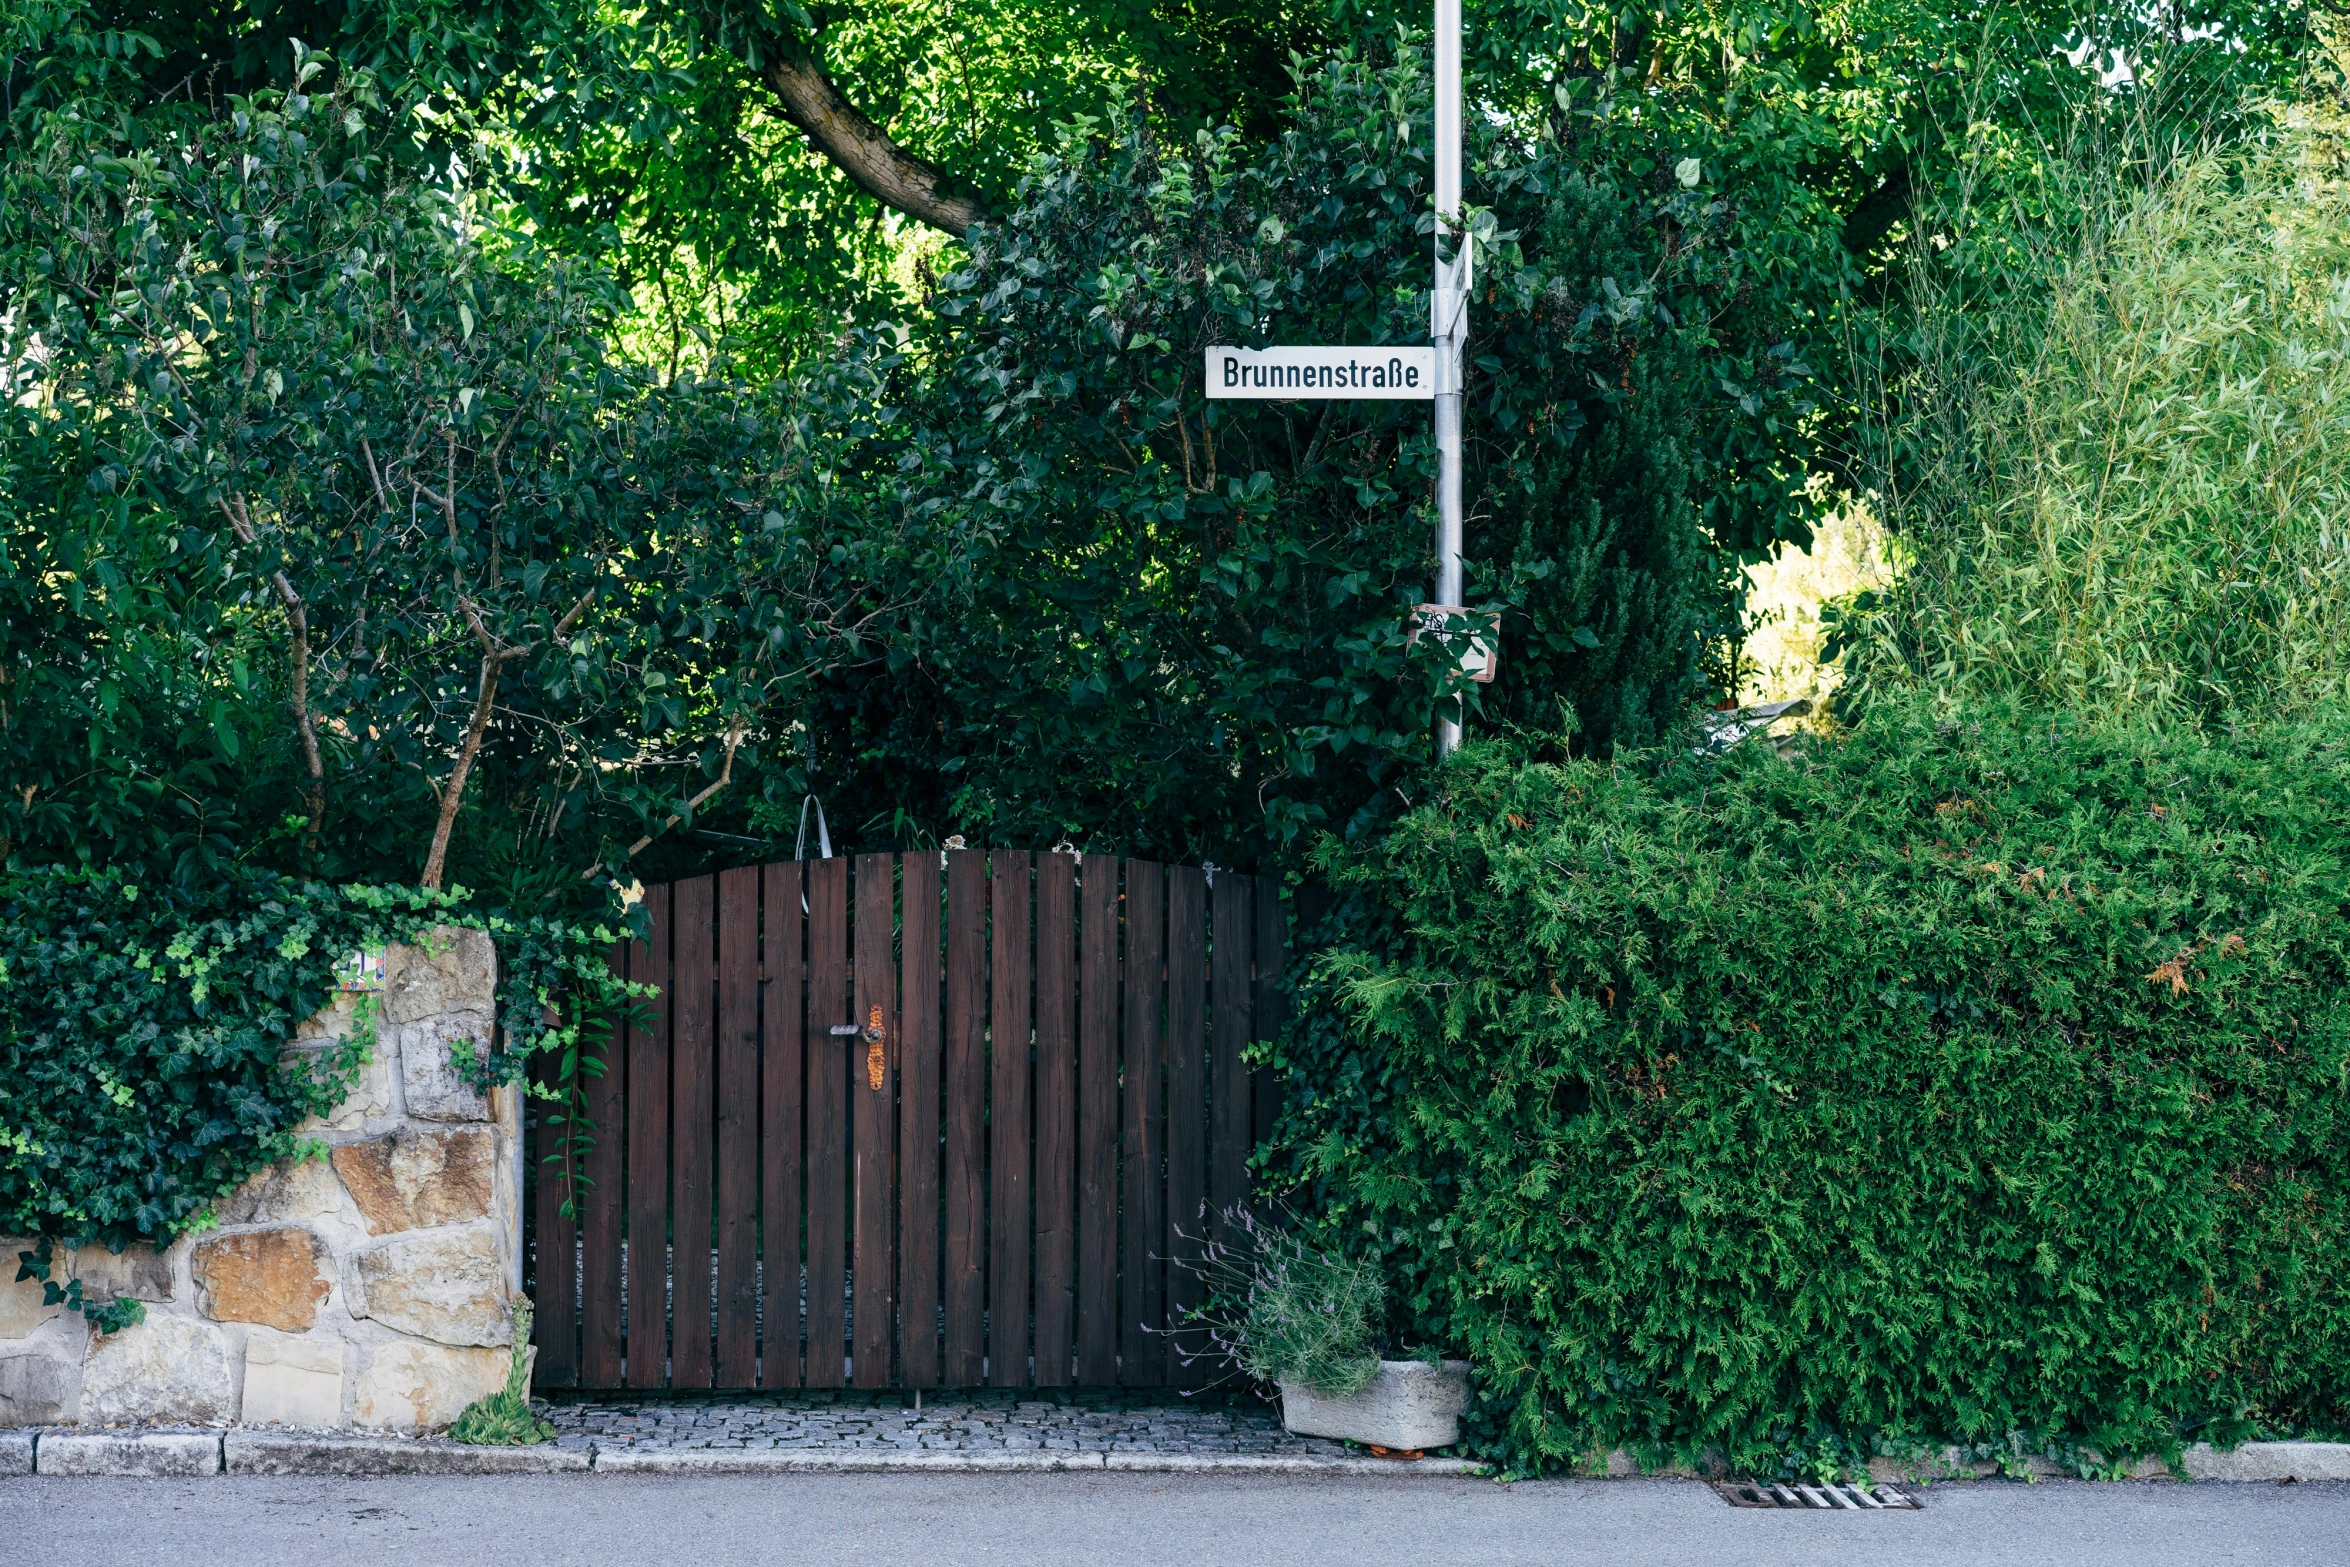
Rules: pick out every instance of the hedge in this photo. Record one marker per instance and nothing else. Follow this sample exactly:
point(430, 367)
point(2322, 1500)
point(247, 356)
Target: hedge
point(1980, 1083)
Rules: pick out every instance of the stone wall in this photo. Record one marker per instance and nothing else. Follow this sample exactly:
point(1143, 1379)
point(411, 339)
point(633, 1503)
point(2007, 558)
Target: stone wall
point(369, 1288)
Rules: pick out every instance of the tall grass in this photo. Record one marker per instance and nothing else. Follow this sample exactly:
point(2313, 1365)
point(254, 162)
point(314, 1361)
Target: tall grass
point(2129, 492)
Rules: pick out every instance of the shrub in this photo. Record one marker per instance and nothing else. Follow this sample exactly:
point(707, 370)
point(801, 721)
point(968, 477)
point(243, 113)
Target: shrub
point(1981, 1083)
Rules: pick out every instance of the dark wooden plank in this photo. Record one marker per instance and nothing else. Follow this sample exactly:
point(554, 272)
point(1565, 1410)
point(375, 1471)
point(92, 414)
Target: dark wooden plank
point(1011, 1059)
point(1187, 1111)
point(555, 1250)
point(1268, 1009)
point(1056, 1118)
point(963, 1277)
point(737, 1229)
point(648, 1154)
point(873, 1100)
point(782, 1085)
point(1097, 1124)
point(604, 1197)
point(918, 1151)
point(1231, 1018)
point(693, 1048)
point(828, 1126)
point(1142, 1348)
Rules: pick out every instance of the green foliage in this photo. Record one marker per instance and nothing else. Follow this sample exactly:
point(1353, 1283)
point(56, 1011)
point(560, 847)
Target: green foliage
point(143, 1034)
point(1287, 1310)
point(104, 1317)
point(1972, 1082)
point(504, 1418)
point(1179, 625)
point(2131, 499)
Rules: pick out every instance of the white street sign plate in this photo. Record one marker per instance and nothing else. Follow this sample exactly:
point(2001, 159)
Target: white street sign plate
point(1268, 374)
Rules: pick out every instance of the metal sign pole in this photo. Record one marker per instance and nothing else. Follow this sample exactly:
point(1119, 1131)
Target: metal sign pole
point(1448, 325)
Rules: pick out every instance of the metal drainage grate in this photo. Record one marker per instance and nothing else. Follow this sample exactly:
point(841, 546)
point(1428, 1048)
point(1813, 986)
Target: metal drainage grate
point(1823, 1498)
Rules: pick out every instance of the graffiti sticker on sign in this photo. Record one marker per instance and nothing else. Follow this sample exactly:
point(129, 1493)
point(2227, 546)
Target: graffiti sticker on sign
point(1388, 374)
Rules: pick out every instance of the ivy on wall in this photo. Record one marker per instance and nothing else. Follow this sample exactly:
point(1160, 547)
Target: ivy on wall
point(143, 1031)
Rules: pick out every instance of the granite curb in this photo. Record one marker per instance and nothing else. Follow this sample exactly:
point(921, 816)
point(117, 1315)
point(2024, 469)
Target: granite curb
point(257, 1453)
point(183, 1454)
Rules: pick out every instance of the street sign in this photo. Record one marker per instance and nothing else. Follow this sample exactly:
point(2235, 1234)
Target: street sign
point(1265, 374)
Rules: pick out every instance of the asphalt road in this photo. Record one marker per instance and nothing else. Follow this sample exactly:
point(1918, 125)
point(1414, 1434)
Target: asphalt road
point(561, 1520)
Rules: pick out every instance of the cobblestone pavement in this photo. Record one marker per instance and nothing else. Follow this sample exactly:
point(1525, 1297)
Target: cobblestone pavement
point(1007, 1422)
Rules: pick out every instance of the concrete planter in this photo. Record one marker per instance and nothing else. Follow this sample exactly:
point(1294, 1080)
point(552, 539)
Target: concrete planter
point(1409, 1405)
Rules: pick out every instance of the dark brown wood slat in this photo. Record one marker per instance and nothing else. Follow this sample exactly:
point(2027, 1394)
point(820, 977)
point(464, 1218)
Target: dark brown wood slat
point(1231, 1010)
point(873, 1101)
point(648, 1154)
point(782, 1086)
point(1142, 1348)
point(828, 1129)
point(603, 1199)
point(1268, 1011)
point(1097, 1123)
point(693, 1049)
point(918, 1150)
point(556, 1328)
point(1010, 1172)
point(963, 1283)
point(1056, 1118)
point(737, 1363)
point(1187, 1110)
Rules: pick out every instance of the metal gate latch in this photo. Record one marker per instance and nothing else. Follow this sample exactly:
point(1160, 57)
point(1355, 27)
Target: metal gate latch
point(874, 1071)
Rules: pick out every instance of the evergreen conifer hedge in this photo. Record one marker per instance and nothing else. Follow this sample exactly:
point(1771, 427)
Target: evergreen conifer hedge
point(1983, 1083)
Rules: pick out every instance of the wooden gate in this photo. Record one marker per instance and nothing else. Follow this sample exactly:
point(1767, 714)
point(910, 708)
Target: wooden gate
point(933, 1121)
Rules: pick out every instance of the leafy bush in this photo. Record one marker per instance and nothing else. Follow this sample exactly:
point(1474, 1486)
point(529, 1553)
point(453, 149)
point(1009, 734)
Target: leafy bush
point(142, 1030)
point(1975, 1082)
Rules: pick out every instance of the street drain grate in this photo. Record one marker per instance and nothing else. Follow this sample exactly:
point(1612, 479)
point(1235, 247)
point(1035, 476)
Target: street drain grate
point(1821, 1498)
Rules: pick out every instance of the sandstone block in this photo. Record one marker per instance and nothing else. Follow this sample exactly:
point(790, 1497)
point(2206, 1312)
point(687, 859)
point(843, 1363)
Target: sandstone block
point(139, 1272)
point(420, 1387)
point(336, 1020)
point(273, 1277)
point(458, 969)
point(147, 1456)
point(447, 1287)
point(429, 1080)
point(21, 1310)
point(165, 1368)
point(415, 1180)
point(39, 1390)
point(293, 1381)
point(285, 1193)
point(370, 1093)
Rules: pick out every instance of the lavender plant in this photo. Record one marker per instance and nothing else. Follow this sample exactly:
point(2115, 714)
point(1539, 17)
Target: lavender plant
point(1285, 1310)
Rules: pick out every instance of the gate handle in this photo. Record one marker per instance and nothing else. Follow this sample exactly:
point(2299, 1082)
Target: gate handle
point(872, 1033)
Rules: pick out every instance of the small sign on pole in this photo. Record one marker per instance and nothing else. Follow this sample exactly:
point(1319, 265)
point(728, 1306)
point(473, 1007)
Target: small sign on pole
point(1396, 374)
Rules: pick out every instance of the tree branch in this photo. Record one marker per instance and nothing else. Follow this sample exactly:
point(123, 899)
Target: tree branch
point(451, 794)
point(861, 149)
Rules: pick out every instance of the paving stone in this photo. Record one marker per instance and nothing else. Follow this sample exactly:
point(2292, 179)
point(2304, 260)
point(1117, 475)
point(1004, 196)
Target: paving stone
point(16, 1454)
